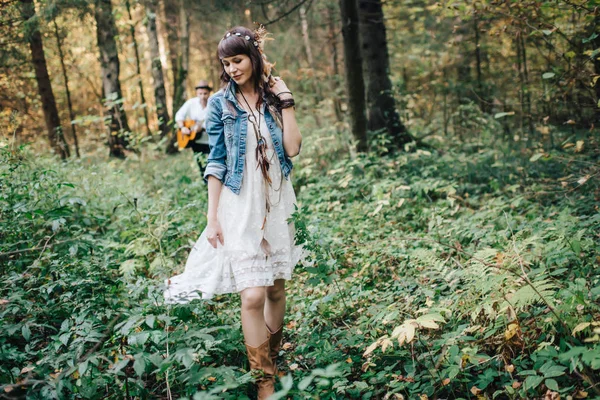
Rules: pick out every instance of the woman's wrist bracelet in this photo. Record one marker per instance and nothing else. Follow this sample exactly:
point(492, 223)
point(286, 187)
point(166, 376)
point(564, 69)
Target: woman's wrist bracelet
point(287, 103)
point(280, 93)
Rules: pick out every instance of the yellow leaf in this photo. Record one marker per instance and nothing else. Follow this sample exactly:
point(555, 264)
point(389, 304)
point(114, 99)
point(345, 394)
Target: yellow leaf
point(475, 390)
point(429, 324)
point(512, 330)
point(401, 338)
point(446, 381)
point(579, 146)
point(386, 343)
point(410, 332)
point(580, 327)
point(509, 368)
point(583, 180)
point(370, 349)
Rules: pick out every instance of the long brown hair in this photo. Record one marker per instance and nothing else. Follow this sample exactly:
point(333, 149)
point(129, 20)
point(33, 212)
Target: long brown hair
point(234, 45)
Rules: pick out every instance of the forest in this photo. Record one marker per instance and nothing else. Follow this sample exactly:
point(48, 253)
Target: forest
point(447, 189)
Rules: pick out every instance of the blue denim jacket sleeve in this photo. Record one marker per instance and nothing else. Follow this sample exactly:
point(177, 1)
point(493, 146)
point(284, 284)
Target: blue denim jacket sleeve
point(216, 165)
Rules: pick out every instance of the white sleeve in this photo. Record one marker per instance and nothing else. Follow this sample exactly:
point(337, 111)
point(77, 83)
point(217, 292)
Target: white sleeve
point(182, 112)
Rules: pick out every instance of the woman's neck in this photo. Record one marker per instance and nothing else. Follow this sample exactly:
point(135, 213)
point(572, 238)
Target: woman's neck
point(248, 89)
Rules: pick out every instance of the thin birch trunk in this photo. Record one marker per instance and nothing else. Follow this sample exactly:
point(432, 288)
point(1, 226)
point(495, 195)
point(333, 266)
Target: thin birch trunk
point(333, 42)
point(160, 94)
point(137, 67)
point(67, 91)
point(311, 63)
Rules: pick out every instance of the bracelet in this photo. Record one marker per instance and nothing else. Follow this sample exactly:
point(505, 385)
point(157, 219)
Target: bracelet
point(287, 103)
point(280, 93)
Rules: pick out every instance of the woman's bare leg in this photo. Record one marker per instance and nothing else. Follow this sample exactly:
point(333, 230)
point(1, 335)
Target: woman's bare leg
point(275, 305)
point(253, 320)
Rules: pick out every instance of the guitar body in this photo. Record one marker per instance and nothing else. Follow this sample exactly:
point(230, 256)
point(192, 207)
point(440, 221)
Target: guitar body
point(183, 140)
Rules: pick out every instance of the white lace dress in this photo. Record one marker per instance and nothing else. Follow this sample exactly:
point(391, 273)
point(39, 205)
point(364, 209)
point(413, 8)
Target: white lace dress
point(251, 255)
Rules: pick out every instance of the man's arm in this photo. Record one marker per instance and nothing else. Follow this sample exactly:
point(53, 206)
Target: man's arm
point(182, 113)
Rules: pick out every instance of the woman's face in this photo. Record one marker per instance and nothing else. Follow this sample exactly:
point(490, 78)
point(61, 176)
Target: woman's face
point(239, 68)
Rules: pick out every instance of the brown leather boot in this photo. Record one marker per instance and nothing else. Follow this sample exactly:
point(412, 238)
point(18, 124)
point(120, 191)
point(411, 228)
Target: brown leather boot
point(275, 343)
point(260, 360)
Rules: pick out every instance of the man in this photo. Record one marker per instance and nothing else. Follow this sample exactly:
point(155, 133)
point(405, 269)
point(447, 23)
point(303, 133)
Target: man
point(195, 109)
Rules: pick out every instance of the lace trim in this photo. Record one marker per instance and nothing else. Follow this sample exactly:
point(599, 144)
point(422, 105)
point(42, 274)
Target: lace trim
point(233, 272)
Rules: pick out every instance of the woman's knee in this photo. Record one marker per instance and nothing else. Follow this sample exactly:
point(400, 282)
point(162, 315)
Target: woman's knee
point(253, 298)
point(277, 291)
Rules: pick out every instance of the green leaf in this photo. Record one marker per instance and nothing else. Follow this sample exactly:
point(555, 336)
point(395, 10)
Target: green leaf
point(305, 382)
point(150, 318)
point(503, 114)
point(536, 157)
point(548, 75)
point(532, 382)
point(26, 332)
point(83, 367)
point(592, 37)
point(120, 365)
point(139, 366)
point(551, 384)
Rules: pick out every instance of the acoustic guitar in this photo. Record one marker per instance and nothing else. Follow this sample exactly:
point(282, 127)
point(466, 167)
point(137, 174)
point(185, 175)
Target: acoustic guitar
point(183, 140)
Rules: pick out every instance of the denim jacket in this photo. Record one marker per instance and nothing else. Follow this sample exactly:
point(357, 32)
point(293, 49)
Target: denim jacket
point(227, 127)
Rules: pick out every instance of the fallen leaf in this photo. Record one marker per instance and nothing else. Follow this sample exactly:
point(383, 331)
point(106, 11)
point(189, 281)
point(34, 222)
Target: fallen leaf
point(446, 381)
point(509, 368)
point(579, 146)
point(26, 370)
point(475, 390)
point(516, 384)
point(580, 327)
point(212, 378)
point(293, 367)
point(286, 346)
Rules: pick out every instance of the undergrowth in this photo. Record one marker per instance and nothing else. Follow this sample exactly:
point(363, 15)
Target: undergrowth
point(468, 272)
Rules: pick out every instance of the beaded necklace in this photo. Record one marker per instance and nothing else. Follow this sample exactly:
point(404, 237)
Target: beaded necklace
point(263, 161)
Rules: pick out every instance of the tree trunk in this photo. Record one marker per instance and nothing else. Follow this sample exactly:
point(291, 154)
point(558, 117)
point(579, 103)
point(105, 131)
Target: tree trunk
point(171, 18)
point(38, 59)
point(109, 63)
point(354, 75)
point(137, 66)
point(526, 82)
point(183, 61)
point(183, 58)
point(160, 94)
point(67, 91)
point(482, 97)
point(332, 37)
point(305, 36)
point(596, 45)
point(311, 64)
point(381, 106)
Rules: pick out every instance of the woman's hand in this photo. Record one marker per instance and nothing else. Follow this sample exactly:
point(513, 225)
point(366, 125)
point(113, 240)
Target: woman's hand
point(214, 233)
point(280, 89)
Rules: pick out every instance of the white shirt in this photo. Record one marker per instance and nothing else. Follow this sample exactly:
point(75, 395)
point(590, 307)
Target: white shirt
point(192, 109)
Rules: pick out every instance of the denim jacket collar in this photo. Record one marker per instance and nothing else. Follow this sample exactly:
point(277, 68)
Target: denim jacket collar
point(229, 94)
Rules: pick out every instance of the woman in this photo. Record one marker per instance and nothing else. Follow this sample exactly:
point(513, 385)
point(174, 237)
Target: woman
point(248, 245)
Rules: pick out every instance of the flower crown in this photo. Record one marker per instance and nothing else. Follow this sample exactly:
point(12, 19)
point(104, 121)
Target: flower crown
point(260, 36)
